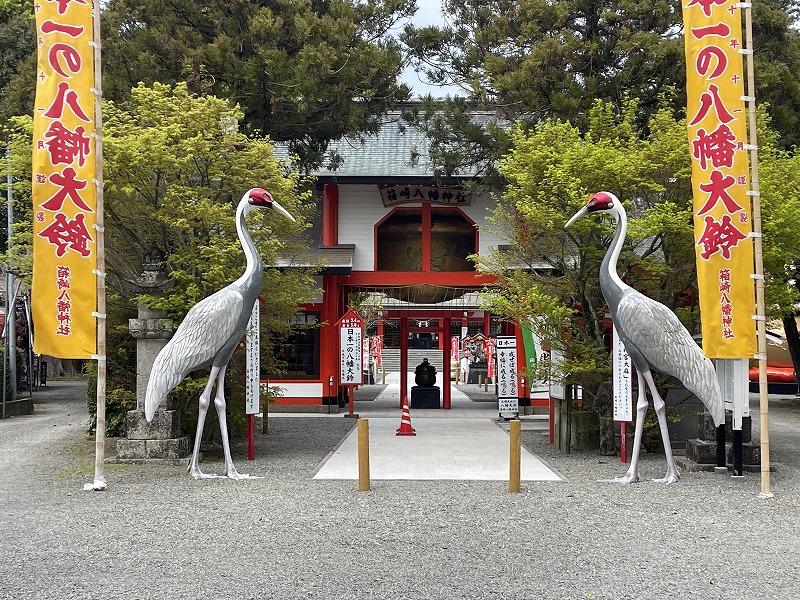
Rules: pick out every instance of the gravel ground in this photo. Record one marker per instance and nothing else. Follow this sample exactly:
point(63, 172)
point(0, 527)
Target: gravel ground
point(157, 533)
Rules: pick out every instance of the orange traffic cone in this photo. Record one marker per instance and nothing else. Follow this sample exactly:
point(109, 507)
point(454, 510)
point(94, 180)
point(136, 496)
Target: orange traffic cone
point(405, 422)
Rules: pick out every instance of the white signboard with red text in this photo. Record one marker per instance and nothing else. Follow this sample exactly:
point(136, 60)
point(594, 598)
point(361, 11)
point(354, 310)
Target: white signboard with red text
point(351, 328)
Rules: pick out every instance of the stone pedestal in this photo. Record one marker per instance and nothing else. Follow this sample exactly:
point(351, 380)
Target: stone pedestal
point(425, 396)
point(159, 440)
point(477, 374)
point(701, 453)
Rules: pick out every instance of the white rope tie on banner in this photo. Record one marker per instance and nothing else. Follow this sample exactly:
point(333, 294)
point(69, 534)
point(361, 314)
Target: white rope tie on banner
point(98, 356)
point(748, 98)
point(760, 356)
point(756, 276)
point(759, 318)
point(745, 51)
point(752, 193)
point(96, 181)
point(99, 273)
point(99, 228)
point(98, 315)
point(755, 234)
point(743, 5)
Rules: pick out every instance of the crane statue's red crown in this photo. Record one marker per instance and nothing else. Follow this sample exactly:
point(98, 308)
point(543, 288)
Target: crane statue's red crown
point(600, 201)
point(260, 197)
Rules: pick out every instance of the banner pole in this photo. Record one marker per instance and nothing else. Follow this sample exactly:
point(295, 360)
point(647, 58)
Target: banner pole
point(100, 431)
point(9, 280)
point(9, 277)
point(759, 257)
point(11, 310)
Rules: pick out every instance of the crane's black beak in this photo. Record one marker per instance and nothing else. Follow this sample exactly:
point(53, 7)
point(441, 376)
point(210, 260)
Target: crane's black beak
point(577, 216)
point(282, 211)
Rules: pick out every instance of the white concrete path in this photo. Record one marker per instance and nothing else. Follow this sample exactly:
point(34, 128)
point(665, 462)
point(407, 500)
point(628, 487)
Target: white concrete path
point(463, 443)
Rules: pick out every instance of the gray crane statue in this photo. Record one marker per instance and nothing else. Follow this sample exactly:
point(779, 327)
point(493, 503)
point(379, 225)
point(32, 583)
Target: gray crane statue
point(654, 339)
point(208, 335)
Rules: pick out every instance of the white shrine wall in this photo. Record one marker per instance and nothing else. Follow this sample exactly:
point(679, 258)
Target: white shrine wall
point(361, 208)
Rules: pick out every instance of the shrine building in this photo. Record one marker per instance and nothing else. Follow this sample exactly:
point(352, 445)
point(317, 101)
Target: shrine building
point(389, 230)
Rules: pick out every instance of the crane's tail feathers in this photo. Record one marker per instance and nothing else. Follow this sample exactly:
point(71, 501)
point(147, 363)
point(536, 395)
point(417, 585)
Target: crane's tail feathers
point(163, 378)
point(704, 384)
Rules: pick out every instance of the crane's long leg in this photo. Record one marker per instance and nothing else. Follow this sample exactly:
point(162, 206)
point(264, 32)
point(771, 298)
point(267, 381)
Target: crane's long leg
point(632, 474)
point(229, 470)
point(658, 403)
point(205, 401)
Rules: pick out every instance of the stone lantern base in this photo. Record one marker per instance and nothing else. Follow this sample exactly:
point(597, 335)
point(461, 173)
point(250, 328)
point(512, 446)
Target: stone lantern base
point(157, 441)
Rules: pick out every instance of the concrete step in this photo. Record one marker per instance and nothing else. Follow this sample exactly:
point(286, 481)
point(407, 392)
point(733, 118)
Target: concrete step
point(391, 358)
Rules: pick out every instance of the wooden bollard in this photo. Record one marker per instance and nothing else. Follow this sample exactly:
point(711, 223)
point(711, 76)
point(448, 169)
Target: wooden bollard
point(515, 456)
point(363, 455)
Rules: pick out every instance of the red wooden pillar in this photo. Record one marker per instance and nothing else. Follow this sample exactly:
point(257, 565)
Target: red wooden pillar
point(330, 214)
point(446, 370)
point(403, 358)
point(329, 342)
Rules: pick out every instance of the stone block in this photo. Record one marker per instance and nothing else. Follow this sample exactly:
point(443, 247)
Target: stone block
point(146, 351)
point(425, 397)
point(168, 449)
point(164, 426)
point(751, 454)
point(707, 431)
point(701, 452)
point(153, 449)
point(705, 453)
point(21, 406)
point(131, 449)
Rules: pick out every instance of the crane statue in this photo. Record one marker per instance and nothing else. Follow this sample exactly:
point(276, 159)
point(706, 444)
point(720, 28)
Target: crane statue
point(208, 336)
point(654, 339)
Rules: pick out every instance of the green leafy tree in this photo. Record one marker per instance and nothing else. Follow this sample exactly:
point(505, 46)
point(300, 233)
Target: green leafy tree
point(17, 58)
point(175, 167)
point(540, 59)
point(780, 202)
point(303, 72)
point(552, 59)
point(551, 273)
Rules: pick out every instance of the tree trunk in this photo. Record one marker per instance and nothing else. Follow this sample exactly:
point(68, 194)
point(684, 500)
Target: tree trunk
point(605, 403)
point(793, 342)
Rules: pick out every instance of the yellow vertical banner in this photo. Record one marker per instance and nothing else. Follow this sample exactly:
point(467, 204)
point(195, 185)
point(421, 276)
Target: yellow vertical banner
point(716, 121)
point(64, 290)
